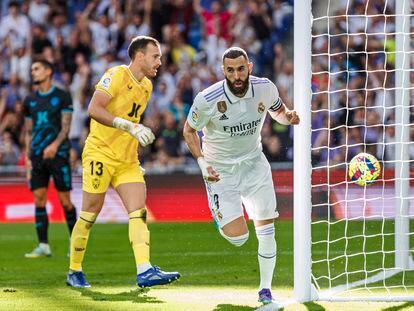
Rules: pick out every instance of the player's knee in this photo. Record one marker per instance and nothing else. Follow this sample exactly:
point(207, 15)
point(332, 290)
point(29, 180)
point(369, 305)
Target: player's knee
point(39, 199)
point(236, 240)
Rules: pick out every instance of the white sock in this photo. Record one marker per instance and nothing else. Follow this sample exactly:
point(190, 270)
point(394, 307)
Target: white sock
point(266, 254)
point(143, 267)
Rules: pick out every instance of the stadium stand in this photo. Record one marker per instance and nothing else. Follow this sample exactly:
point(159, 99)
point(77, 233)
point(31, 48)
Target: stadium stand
point(84, 38)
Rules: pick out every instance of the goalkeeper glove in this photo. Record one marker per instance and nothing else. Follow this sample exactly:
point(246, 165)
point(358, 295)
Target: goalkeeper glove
point(138, 131)
point(209, 174)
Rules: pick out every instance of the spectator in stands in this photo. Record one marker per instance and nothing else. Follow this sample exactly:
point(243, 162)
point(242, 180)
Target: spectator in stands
point(38, 11)
point(20, 64)
point(9, 150)
point(185, 88)
point(16, 26)
point(170, 136)
point(58, 26)
point(78, 88)
point(182, 54)
point(262, 24)
point(213, 17)
point(139, 26)
point(40, 40)
point(70, 51)
point(179, 109)
point(12, 93)
point(284, 81)
point(386, 151)
point(13, 121)
point(273, 150)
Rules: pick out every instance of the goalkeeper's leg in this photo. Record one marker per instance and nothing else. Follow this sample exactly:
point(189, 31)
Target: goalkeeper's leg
point(92, 205)
point(133, 196)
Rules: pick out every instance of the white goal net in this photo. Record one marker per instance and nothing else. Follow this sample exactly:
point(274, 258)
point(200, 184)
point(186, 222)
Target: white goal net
point(362, 97)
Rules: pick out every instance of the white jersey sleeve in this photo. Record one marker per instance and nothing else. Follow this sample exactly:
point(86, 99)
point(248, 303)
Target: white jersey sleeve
point(276, 101)
point(200, 113)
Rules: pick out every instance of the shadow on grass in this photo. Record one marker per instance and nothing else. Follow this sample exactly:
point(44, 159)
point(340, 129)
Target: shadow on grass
point(230, 307)
point(312, 306)
point(400, 307)
point(136, 296)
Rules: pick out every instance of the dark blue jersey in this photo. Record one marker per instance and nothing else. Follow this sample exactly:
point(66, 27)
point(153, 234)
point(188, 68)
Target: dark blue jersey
point(45, 110)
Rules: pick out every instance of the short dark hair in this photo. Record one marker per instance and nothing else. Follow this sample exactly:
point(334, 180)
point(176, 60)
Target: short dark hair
point(45, 64)
point(140, 43)
point(235, 52)
point(14, 4)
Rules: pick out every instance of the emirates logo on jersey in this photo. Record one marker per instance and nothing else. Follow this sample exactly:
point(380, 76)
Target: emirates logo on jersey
point(261, 108)
point(242, 129)
point(222, 106)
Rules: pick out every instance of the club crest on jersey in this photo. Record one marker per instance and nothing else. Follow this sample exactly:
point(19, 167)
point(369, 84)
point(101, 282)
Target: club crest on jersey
point(194, 116)
point(261, 108)
point(54, 101)
point(106, 82)
point(96, 182)
point(222, 106)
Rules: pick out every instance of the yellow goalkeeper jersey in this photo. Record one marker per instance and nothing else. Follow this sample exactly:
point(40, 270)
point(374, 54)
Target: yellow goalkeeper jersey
point(129, 98)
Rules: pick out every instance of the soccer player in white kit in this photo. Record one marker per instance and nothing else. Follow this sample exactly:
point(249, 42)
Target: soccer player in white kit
point(231, 114)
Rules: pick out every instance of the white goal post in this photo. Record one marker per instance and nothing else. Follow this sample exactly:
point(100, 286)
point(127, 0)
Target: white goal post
point(354, 92)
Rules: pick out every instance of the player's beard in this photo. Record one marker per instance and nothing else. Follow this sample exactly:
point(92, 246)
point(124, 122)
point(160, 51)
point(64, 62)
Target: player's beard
point(238, 91)
point(38, 81)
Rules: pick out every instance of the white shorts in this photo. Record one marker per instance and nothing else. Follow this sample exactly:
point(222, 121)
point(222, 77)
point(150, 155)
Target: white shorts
point(250, 183)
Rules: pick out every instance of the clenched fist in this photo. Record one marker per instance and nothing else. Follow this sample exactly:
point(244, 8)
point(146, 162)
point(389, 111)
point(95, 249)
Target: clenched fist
point(292, 117)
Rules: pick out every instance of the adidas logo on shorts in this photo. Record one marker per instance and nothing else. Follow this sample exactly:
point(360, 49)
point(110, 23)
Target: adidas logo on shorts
point(223, 117)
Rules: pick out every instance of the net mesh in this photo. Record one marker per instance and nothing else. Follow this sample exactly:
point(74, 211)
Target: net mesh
point(354, 110)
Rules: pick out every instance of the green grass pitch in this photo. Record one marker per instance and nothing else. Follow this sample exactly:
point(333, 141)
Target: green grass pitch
point(215, 275)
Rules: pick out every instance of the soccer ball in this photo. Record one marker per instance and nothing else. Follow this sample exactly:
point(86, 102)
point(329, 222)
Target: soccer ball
point(364, 169)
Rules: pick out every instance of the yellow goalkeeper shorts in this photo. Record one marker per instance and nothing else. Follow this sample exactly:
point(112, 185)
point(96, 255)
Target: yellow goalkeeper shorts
point(99, 170)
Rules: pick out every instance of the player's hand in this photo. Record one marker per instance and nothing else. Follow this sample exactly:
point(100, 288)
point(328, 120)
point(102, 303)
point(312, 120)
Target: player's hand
point(50, 151)
point(209, 174)
point(142, 133)
point(28, 163)
point(292, 117)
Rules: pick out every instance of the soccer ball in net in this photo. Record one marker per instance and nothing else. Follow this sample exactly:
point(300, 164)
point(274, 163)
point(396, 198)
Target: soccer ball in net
point(364, 169)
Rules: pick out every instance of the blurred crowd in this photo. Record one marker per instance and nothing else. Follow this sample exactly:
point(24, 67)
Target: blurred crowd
point(354, 82)
point(84, 38)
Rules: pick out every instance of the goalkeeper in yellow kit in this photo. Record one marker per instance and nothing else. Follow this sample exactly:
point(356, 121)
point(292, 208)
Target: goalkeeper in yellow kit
point(110, 157)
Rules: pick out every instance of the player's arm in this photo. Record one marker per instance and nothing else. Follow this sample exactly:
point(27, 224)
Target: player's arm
point(193, 143)
point(50, 150)
point(97, 108)
point(285, 116)
point(28, 125)
point(192, 140)
point(98, 111)
point(197, 7)
point(278, 110)
point(197, 119)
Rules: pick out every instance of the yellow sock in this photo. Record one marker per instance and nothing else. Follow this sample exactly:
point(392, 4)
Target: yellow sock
point(79, 239)
point(139, 236)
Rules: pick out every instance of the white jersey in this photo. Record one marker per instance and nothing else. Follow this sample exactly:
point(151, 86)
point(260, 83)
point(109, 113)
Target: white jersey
point(232, 125)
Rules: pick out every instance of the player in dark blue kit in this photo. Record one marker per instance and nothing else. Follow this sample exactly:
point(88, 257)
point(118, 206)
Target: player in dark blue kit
point(48, 113)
